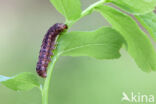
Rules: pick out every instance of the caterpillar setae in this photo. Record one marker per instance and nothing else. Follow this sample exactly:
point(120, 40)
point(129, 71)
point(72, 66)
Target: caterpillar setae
point(48, 45)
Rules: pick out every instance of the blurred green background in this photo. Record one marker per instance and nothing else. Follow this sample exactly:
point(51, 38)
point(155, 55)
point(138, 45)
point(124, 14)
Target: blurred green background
point(76, 80)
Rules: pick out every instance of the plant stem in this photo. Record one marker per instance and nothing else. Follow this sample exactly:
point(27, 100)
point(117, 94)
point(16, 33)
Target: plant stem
point(50, 68)
point(91, 7)
point(86, 11)
point(45, 89)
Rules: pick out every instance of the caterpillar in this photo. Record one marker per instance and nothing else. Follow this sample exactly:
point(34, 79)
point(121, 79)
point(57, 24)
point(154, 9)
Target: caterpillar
point(48, 45)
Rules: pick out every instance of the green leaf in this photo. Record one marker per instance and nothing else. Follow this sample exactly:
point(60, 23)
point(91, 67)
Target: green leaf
point(136, 6)
point(149, 22)
point(103, 43)
point(71, 9)
point(23, 81)
point(139, 46)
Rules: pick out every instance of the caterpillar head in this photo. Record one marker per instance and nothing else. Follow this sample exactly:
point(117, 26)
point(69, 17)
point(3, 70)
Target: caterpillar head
point(61, 27)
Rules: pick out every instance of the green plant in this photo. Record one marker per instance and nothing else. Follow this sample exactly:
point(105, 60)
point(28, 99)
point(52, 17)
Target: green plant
point(103, 43)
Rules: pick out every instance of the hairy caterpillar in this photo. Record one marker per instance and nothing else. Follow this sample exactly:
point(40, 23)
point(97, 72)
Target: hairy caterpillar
point(48, 45)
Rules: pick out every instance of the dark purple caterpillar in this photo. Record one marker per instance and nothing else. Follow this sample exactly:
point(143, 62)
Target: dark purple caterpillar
point(48, 45)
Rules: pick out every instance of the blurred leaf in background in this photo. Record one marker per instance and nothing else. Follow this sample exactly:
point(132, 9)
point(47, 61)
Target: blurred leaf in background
point(136, 7)
point(149, 22)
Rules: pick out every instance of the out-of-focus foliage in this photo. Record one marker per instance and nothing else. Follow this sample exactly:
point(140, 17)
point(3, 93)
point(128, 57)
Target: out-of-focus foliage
point(149, 22)
point(136, 6)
